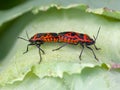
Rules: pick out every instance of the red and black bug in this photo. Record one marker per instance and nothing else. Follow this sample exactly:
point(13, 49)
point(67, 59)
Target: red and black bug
point(78, 38)
point(39, 39)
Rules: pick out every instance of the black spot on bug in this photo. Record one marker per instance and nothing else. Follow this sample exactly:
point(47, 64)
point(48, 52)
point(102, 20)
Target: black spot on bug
point(39, 35)
point(73, 34)
point(54, 34)
point(81, 36)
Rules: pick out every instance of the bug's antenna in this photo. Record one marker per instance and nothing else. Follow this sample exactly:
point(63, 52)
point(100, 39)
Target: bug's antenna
point(97, 34)
point(23, 38)
point(95, 38)
point(27, 35)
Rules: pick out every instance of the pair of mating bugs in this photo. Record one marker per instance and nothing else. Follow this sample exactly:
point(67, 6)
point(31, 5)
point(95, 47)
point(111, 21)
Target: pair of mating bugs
point(70, 37)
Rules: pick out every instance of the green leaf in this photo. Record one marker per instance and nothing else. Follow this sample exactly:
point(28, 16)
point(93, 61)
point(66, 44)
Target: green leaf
point(106, 12)
point(89, 79)
point(10, 14)
point(15, 65)
point(92, 79)
point(32, 82)
point(13, 13)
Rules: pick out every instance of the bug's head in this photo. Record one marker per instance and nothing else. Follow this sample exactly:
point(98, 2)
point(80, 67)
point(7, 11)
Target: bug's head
point(28, 40)
point(32, 39)
point(36, 39)
point(91, 41)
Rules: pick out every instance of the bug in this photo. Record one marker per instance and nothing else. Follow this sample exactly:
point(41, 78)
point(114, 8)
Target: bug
point(76, 38)
point(39, 39)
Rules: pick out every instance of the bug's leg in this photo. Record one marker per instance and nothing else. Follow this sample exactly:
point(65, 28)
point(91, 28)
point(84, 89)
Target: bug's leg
point(93, 52)
point(40, 56)
point(27, 48)
point(81, 51)
point(96, 47)
point(60, 47)
point(38, 46)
